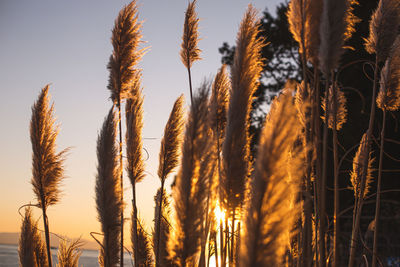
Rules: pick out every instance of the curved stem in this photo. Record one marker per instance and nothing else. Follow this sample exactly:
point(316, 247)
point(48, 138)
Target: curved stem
point(378, 192)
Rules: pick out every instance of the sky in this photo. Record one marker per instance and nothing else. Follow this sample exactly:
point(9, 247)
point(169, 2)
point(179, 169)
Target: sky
point(67, 44)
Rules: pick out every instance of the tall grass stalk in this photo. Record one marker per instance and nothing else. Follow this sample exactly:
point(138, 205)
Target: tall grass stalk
point(125, 39)
point(168, 160)
point(69, 253)
point(47, 165)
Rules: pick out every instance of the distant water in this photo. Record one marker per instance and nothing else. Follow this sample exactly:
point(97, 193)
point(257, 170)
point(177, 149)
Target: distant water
point(89, 258)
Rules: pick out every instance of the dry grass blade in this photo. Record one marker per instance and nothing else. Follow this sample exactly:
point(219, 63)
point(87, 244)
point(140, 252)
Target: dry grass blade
point(189, 191)
point(164, 226)
point(69, 253)
point(171, 141)
point(47, 165)
point(382, 33)
point(304, 17)
point(246, 70)
point(341, 110)
point(189, 50)
point(337, 26)
point(31, 249)
point(358, 165)
point(108, 191)
point(134, 144)
point(145, 257)
point(389, 94)
point(126, 37)
point(269, 212)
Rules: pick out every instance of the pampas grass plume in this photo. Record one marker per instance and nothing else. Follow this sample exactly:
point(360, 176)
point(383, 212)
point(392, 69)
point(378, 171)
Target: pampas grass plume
point(341, 110)
point(108, 191)
point(356, 173)
point(126, 37)
point(189, 50)
point(382, 29)
point(69, 253)
point(31, 249)
point(389, 94)
point(145, 257)
point(269, 212)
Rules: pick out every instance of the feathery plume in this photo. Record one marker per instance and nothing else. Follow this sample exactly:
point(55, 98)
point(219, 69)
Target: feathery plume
point(134, 144)
point(108, 191)
point(269, 214)
point(302, 102)
point(189, 50)
point(126, 37)
point(47, 165)
point(219, 102)
point(189, 191)
point(164, 218)
point(382, 29)
point(356, 173)
point(389, 93)
point(69, 253)
point(337, 26)
point(304, 18)
point(246, 69)
point(145, 258)
point(31, 250)
point(171, 141)
point(341, 110)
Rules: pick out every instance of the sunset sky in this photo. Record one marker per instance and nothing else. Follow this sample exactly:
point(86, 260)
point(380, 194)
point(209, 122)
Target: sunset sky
point(67, 44)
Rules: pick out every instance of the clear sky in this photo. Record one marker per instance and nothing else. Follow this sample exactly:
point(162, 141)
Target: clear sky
point(67, 44)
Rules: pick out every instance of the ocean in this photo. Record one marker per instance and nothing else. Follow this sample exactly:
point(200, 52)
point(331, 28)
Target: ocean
point(9, 257)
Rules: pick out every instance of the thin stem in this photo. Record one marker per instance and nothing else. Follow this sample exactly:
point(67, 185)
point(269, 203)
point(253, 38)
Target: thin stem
point(134, 222)
point(378, 191)
point(121, 181)
point(159, 222)
point(190, 85)
point(46, 231)
point(358, 209)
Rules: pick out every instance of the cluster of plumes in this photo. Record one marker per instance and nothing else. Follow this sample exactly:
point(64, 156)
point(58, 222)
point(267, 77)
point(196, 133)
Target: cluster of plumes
point(47, 165)
point(389, 94)
point(245, 73)
point(189, 190)
point(337, 26)
point(304, 18)
point(108, 191)
point(31, 250)
point(382, 29)
point(134, 126)
point(358, 166)
point(340, 115)
point(269, 213)
point(144, 250)
point(165, 227)
point(189, 49)
point(171, 141)
point(126, 37)
point(68, 253)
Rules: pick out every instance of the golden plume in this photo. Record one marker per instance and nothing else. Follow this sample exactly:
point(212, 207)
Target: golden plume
point(108, 191)
point(358, 165)
point(190, 190)
point(171, 141)
point(304, 17)
point(68, 253)
point(337, 26)
point(145, 257)
point(126, 37)
point(31, 249)
point(246, 69)
point(189, 50)
point(164, 218)
point(389, 93)
point(341, 110)
point(269, 211)
point(47, 165)
point(382, 29)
